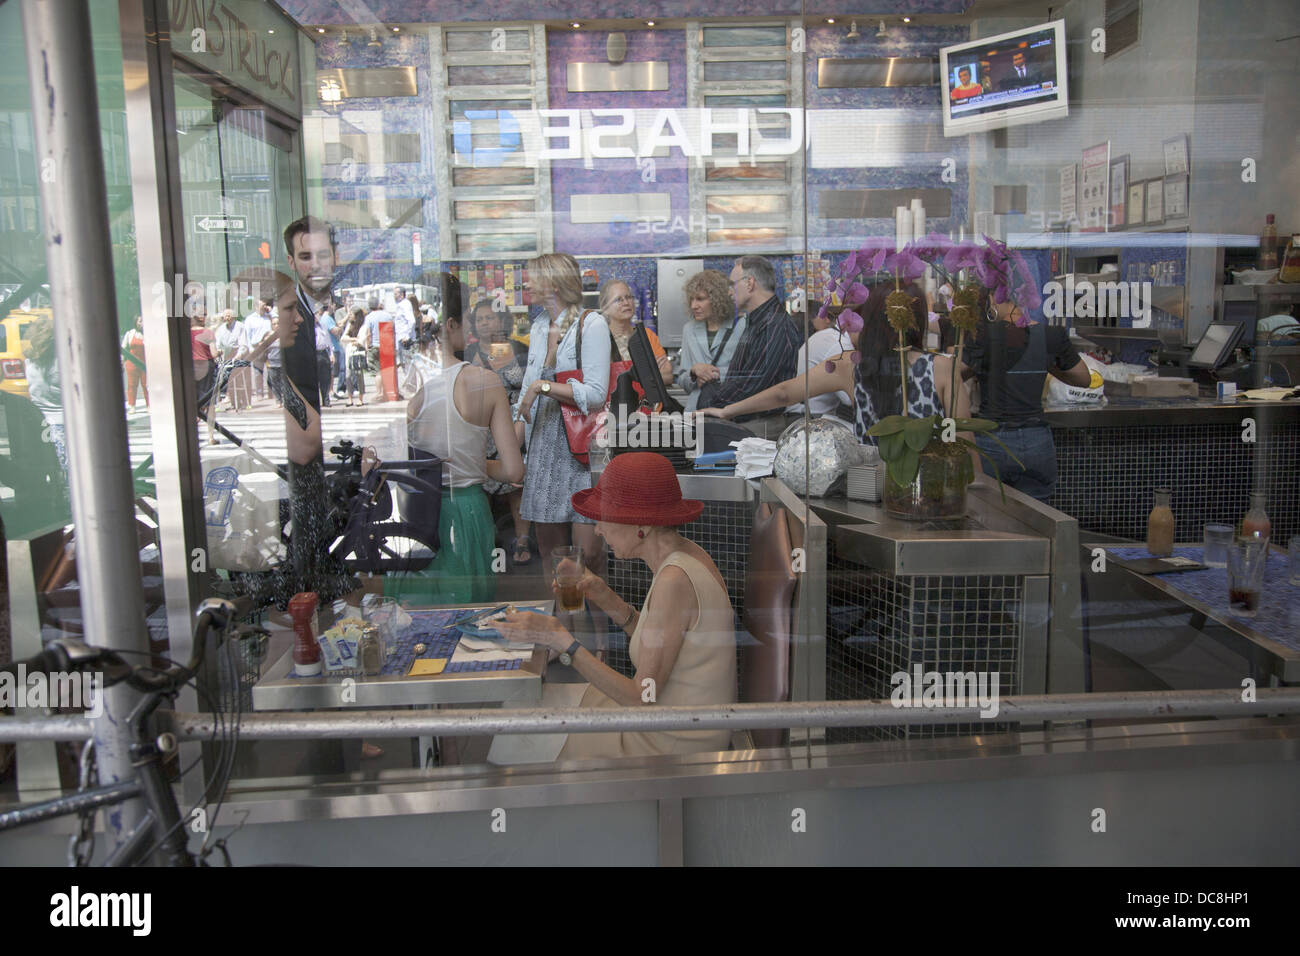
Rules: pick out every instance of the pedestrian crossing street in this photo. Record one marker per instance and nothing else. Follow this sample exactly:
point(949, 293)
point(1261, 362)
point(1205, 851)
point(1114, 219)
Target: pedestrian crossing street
point(263, 428)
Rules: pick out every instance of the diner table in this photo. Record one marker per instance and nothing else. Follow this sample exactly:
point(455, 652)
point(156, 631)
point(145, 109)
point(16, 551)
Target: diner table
point(517, 680)
point(496, 682)
point(1270, 640)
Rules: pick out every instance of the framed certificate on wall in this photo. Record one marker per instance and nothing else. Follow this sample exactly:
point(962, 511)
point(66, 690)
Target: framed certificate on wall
point(1176, 196)
point(1137, 204)
point(1177, 159)
point(1155, 211)
point(1118, 199)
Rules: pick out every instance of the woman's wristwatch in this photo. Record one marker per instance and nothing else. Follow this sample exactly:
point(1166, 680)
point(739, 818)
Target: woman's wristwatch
point(568, 654)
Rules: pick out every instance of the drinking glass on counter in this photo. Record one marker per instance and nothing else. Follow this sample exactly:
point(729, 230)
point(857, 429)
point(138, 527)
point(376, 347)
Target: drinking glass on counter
point(567, 570)
point(1246, 561)
point(1214, 553)
point(1293, 560)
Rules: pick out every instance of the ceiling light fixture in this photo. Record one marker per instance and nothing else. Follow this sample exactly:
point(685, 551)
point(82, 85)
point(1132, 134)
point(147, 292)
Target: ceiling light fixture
point(576, 25)
point(882, 32)
point(649, 23)
point(320, 29)
point(345, 40)
point(907, 19)
point(397, 29)
point(373, 42)
point(853, 30)
point(830, 19)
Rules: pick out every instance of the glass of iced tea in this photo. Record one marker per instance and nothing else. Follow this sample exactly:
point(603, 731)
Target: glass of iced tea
point(566, 571)
point(1246, 561)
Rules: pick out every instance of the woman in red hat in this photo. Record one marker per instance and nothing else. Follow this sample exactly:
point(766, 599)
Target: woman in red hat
point(683, 641)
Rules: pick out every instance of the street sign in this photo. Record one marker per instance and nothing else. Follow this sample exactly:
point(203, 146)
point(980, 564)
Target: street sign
point(227, 224)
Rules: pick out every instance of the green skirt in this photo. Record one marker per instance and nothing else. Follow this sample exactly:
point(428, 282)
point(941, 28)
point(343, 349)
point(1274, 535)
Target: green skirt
point(462, 572)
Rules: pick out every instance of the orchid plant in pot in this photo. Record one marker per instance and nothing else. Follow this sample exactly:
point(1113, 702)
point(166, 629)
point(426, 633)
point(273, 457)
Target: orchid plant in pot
point(928, 462)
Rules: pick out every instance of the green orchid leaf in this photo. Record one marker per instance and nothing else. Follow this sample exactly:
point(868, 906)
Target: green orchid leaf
point(975, 425)
point(918, 433)
point(889, 425)
point(902, 470)
point(891, 446)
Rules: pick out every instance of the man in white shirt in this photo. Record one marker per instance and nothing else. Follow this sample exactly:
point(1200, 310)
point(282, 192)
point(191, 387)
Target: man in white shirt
point(403, 323)
point(370, 332)
point(257, 324)
point(825, 343)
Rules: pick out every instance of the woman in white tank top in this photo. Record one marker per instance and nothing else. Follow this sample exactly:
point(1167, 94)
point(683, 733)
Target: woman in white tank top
point(450, 417)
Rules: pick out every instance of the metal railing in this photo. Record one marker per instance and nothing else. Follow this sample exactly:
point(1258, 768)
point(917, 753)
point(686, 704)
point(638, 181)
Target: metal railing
point(1171, 705)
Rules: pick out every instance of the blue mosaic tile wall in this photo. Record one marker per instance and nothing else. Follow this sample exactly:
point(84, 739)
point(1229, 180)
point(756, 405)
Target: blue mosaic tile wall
point(922, 105)
point(381, 255)
point(666, 175)
point(320, 12)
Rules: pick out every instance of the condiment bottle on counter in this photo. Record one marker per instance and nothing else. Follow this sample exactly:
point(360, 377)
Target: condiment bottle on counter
point(306, 652)
point(1256, 523)
point(1160, 526)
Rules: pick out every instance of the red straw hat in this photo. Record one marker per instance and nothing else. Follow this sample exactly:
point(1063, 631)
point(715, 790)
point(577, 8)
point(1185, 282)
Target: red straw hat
point(637, 488)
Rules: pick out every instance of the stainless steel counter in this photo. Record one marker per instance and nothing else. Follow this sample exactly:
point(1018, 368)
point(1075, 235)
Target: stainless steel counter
point(866, 533)
point(1012, 563)
point(1171, 411)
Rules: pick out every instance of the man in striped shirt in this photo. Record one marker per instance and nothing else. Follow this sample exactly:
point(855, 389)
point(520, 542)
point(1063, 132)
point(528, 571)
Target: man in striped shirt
point(768, 349)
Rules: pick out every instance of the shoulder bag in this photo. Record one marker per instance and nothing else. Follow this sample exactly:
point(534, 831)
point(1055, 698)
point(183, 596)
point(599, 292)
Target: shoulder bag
point(579, 427)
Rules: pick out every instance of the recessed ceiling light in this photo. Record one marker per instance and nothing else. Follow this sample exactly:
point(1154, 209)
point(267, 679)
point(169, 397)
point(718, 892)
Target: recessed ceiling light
point(575, 24)
point(907, 19)
point(270, 31)
point(320, 29)
point(397, 29)
point(649, 23)
point(830, 19)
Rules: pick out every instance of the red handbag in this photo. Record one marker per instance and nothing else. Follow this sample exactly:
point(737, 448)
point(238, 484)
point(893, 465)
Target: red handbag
point(579, 427)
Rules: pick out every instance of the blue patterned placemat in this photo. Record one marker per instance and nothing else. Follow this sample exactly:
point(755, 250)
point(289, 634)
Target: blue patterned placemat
point(436, 630)
point(1278, 616)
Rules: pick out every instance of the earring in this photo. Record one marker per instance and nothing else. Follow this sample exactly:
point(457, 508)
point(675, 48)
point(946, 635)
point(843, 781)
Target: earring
point(640, 532)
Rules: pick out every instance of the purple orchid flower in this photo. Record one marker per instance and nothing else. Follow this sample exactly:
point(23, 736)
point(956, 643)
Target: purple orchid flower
point(905, 265)
point(849, 321)
point(856, 294)
point(960, 256)
point(849, 267)
point(932, 247)
point(824, 310)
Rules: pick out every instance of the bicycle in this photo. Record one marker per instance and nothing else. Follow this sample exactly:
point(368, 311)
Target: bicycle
point(162, 828)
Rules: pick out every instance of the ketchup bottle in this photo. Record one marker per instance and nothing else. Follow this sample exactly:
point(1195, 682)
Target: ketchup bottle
point(306, 652)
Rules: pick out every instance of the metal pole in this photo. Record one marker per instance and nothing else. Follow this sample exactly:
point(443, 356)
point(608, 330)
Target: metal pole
point(74, 211)
point(324, 725)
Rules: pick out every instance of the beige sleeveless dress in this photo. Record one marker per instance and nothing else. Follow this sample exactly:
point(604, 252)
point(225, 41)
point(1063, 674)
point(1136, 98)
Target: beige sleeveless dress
point(704, 673)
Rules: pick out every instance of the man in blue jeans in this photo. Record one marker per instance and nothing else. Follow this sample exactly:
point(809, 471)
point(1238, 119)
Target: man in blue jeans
point(1011, 365)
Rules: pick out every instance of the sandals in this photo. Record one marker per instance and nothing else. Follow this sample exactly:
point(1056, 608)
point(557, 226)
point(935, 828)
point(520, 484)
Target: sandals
point(522, 544)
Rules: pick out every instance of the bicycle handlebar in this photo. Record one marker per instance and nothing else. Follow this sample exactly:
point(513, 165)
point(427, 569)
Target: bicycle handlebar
point(63, 655)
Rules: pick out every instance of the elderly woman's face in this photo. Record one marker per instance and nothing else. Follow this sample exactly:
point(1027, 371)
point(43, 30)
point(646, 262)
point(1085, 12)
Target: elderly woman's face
point(621, 305)
point(622, 539)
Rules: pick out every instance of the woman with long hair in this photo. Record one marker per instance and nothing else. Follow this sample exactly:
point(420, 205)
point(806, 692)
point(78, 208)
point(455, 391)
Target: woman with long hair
point(618, 305)
point(710, 340)
point(563, 338)
point(355, 356)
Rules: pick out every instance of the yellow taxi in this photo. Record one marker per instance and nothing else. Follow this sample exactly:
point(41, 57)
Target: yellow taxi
point(14, 329)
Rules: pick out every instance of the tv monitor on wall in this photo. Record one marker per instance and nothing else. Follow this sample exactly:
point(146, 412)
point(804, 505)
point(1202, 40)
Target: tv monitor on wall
point(1005, 80)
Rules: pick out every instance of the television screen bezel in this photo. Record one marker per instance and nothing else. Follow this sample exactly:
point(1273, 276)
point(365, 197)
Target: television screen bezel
point(1057, 108)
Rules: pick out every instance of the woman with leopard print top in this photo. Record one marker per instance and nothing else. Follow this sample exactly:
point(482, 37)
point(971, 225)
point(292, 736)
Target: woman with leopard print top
point(874, 380)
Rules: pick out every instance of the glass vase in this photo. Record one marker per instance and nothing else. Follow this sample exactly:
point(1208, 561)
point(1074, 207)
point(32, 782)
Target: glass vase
point(939, 488)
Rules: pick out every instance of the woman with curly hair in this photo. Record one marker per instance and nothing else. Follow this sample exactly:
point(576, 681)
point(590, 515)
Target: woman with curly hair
point(708, 342)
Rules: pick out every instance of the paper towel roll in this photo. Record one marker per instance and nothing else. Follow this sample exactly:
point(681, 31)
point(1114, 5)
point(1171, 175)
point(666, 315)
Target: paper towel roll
point(902, 226)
